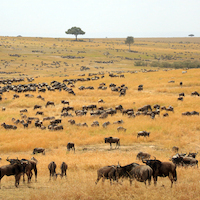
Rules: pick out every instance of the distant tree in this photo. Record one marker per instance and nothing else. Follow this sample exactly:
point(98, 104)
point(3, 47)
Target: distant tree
point(75, 31)
point(129, 40)
point(191, 35)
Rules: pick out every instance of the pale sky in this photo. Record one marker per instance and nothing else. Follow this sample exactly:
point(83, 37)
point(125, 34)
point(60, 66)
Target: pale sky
point(100, 18)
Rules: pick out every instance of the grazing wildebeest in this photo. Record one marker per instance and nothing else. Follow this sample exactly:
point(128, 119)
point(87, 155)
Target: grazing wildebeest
point(101, 101)
point(181, 94)
point(113, 140)
point(142, 156)
point(63, 168)
point(39, 150)
point(65, 102)
point(23, 110)
point(37, 106)
point(105, 124)
point(143, 133)
point(118, 122)
point(39, 113)
point(195, 93)
point(49, 103)
point(52, 169)
point(15, 169)
point(145, 108)
point(180, 98)
point(162, 169)
point(71, 145)
point(142, 173)
point(120, 128)
point(107, 172)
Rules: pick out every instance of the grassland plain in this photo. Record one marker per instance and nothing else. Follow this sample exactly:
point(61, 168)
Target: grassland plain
point(49, 59)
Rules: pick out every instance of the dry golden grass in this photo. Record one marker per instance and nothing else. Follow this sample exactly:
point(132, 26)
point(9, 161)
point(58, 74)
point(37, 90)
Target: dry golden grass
point(182, 131)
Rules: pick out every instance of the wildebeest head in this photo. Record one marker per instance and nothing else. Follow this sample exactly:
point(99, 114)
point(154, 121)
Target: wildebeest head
point(154, 164)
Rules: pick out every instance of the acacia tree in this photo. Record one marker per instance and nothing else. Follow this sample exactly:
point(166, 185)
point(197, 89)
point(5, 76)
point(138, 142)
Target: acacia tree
point(129, 40)
point(75, 31)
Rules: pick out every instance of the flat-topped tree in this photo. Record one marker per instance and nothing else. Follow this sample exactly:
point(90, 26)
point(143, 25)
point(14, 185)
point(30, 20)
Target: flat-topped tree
point(191, 35)
point(129, 40)
point(75, 31)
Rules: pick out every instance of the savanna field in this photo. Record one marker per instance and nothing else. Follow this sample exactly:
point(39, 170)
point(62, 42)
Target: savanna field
point(151, 63)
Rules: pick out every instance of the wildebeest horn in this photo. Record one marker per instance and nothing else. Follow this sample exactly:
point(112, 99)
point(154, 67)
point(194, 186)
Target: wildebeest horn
point(7, 159)
point(154, 158)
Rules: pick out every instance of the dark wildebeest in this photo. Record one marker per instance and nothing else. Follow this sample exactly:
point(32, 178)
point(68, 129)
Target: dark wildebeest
point(15, 169)
point(63, 168)
point(142, 156)
point(143, 133)
point(65, 102)
point(37, 106)
point(31, 165)
point(113, 140)
point(195, 93)
point(141, 173)
point(52, 169)
point(162, 169)
point(124, 171)
point(107, 172)
point(70, 145)
point(39, 150)
point(49, 103)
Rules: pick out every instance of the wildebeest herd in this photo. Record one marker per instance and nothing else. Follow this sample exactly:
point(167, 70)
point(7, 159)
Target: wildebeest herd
point(142, 173)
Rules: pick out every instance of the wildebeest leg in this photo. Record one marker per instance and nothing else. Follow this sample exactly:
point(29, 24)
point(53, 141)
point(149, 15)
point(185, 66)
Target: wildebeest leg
point(110, 145)
point(155, 180)
point(23, 177)
point(17, 178)
point(35, 170)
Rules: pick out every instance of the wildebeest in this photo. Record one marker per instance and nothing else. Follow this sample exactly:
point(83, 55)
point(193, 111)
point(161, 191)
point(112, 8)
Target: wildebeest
point(142, 156)
point(49, 103)
point(141, 173)
point(120, 128)
point(105, 124)
point(15, 169)
point(124, 171)
point(63, 168)
point(183, 160)
point(31, 165)
point(37, 106)
point(112, 140)
point(143, 133)
point(65, 102)
point(193, 155)
point(52, 169)
point(39, 150)
point(145, 108)
point(8, 126)
point(195, 93)
point(107, 172)
point(71, 145)
point(162, 169)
